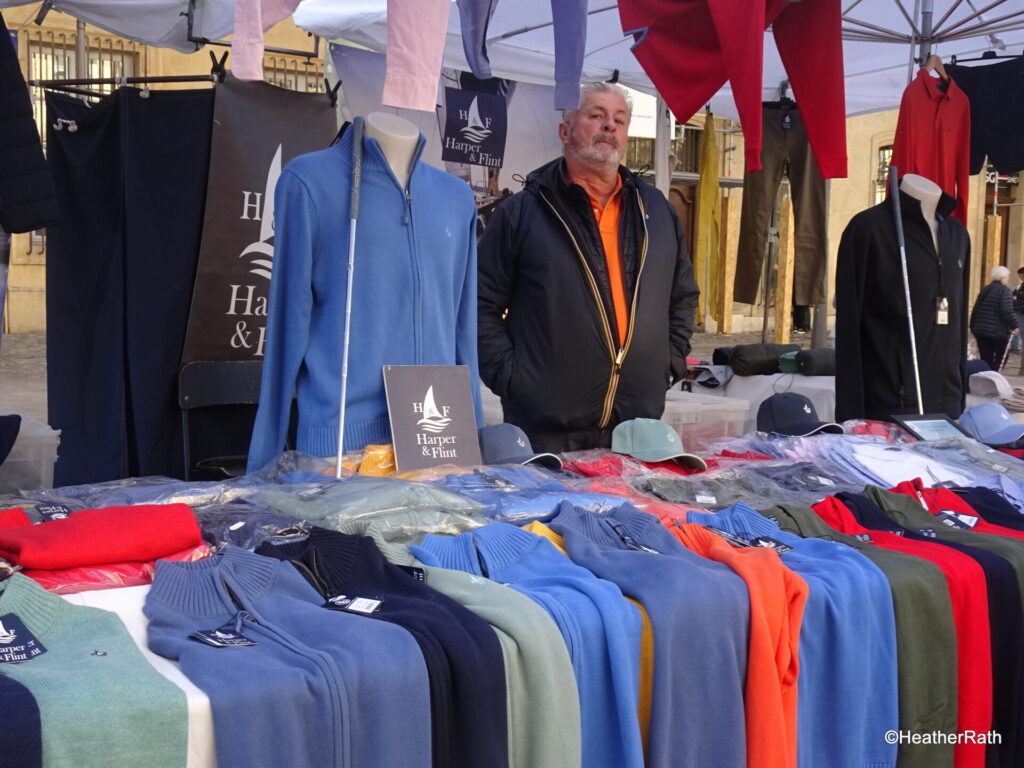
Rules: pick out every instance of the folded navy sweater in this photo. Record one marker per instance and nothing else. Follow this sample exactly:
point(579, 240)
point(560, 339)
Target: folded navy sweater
point(462, 652)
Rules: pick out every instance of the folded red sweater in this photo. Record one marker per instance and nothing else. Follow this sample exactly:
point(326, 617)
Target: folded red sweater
point(14, 518)
point(101, 536)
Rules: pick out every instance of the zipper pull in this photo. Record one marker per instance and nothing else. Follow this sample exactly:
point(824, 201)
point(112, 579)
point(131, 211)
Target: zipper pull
point(408, 207)
point(240, 618)
point(619, 357)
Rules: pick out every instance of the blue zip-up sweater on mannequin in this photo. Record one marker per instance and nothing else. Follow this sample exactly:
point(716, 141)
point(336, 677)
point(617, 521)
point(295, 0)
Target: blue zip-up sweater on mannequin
point(600, 628)
point(413, 302)
point(699, 609)
point(463, 655)
point(320, 688)
point(848, 687)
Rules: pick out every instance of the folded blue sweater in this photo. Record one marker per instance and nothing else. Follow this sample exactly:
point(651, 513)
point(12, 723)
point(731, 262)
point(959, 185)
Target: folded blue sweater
point(319, 688)
point(699, 609)
point(413, 302)
point(600, 628)
point(848, 687)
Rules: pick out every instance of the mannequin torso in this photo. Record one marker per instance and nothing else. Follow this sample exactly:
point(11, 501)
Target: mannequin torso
point(928, 192)
point(397, 138)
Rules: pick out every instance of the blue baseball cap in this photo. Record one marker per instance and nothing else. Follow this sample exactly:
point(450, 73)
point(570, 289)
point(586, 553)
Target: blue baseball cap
point(508, 444)
point(992, 424)
point(653, 440)
point(790, 413)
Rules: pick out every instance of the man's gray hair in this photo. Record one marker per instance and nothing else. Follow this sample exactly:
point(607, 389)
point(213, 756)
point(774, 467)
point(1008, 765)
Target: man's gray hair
point(998, 273)
point(588, 88)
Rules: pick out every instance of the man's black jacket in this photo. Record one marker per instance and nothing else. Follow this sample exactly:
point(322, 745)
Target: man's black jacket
point(549, 345)
point(993, 316)
point(874, 363)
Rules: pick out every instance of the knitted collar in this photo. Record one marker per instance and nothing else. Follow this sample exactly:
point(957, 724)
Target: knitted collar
point(456, 553)
point(330, 555)
point(598, 527)
point(484, 552)
point(37, 608)
point(394, 552)
point(739, 519)
point(201, 588)
point(374, 158)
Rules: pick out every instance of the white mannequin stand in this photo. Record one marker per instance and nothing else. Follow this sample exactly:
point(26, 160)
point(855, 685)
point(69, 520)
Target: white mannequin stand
point(398, 139)
point(928, 193)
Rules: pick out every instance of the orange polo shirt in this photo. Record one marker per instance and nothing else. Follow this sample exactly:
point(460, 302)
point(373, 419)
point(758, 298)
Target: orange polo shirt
point(777, 598)
point(608, 225)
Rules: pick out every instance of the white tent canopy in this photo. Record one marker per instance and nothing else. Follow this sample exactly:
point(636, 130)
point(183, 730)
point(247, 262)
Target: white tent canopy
point(878, 37)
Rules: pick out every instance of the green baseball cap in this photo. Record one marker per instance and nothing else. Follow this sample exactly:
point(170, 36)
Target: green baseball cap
point(653, 440)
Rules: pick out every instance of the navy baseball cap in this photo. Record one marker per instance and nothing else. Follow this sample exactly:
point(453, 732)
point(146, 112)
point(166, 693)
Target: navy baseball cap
point(508, 444)
point(992, 424)
point(790, 413)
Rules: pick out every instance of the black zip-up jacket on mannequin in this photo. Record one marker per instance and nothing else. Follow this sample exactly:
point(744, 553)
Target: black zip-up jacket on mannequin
point(993, 316)
point(555, 358)
point(874, 364)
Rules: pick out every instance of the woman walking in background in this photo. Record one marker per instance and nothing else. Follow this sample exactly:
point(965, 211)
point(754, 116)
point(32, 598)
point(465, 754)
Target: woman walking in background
point(993, 318)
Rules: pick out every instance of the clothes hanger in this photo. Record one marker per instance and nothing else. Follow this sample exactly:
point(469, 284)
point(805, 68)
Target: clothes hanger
point(986, 56)
point(934, 64)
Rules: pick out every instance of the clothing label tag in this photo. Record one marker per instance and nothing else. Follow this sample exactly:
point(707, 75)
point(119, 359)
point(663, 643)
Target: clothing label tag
point(736, 541)
point(417, 573)
point(704, 498)
point(363, 605)
point(864, 537)
point(928, 532)
point(767, 542)
point(770, 516)
point(49, 512)
point(825, 481)
point(311, 493)
point(17, 644)
point(941, 311)
point(227, 636)
point(629, 541)
point(1000, 468)
point(957, 519)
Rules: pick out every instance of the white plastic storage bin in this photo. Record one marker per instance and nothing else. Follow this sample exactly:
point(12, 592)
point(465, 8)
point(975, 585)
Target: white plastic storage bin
point(702, 419)
point(29, 465)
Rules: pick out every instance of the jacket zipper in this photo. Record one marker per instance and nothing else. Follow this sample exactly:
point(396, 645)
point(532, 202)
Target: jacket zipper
point(414, 257)
point(617, 357)
point(335, 685)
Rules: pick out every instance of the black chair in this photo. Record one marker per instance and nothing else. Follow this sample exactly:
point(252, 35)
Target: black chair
point(226, 393)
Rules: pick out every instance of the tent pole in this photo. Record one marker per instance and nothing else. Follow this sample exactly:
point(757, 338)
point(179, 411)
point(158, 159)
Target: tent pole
point(819, 327)
point(915, 38)
point(662, 146)
point(927, 12)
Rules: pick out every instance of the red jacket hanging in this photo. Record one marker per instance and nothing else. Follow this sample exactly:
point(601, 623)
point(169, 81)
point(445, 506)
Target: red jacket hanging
point(690, 49)
point(933, 136)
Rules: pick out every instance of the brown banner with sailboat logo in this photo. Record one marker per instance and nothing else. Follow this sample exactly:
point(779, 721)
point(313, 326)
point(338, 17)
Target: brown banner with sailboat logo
point(257, 129)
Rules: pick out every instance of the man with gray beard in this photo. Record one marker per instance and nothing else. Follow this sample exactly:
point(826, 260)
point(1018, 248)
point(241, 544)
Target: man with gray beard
point(586, 290)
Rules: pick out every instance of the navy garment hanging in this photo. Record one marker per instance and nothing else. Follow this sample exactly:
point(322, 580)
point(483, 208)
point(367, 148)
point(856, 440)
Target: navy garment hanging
point(131, 184)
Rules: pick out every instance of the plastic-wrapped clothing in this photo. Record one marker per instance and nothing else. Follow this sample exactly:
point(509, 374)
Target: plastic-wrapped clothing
point(847, 645)
point(969, 457)
point(359, 496)
point(925, 635)
point(699, 609)
point(508, 476)
point(319, 687)
point(601, 629)
point(246, 526)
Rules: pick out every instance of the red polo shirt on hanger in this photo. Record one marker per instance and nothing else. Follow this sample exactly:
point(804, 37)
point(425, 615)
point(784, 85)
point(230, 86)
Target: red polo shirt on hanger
point(933, 136)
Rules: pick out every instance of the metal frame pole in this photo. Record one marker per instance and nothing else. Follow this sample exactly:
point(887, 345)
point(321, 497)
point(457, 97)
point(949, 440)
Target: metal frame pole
point(894, 195)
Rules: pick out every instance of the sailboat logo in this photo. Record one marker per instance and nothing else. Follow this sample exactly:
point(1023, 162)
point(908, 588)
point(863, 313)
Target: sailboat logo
point(6, 636)
point(433, 420)
point(263, 247)
point(475, 130)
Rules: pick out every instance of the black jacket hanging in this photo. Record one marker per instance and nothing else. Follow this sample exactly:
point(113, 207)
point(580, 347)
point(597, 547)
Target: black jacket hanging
point(27, 201)
point(874, 364)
